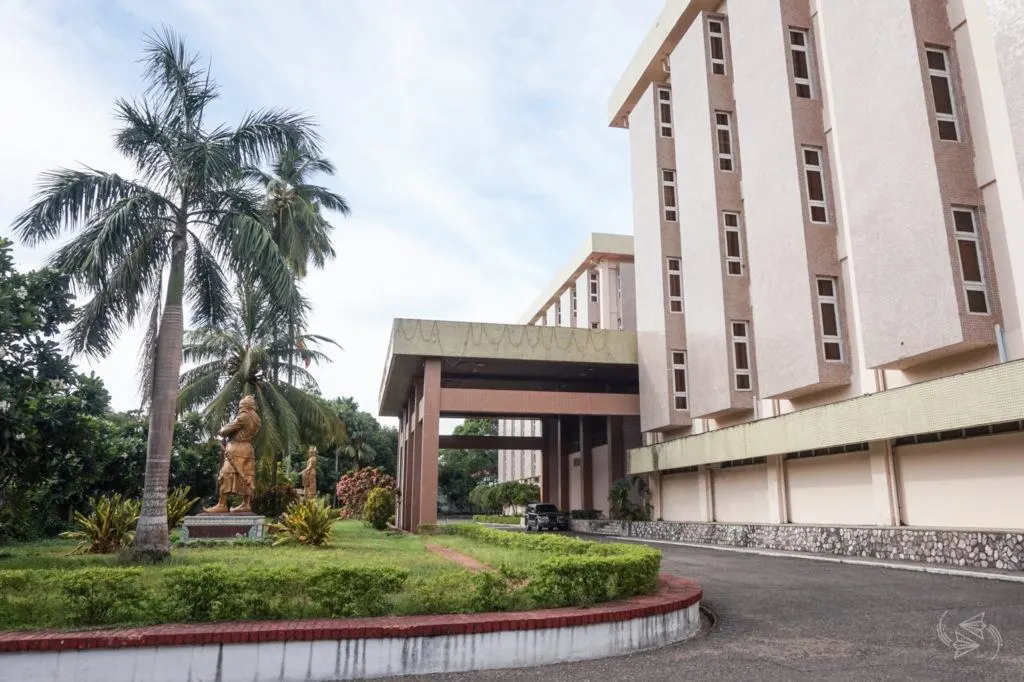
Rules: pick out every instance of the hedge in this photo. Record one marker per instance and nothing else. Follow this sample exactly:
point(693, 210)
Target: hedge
point(578, 572)
point(92, 597)
point(585, 514)
point(497, 518)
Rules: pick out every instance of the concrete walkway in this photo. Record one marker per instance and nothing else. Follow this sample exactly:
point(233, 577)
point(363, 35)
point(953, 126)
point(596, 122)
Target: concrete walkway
point(781, 618)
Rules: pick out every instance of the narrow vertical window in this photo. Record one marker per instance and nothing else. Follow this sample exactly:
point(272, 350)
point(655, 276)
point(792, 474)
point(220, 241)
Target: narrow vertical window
point(740, 356)
point(665, 111)
point(965, 225)
point(800, 53)
point(668, 194)
point(679, 380)
point(618, 297)
point(733, 249)
point(723, 129)
point(558, 313)
point(675, 285)
point(593, 285)
point(814, 177)
point(716, 38)
point(942, 92)
point(572, 306)
point(828, 307)
point(593, 325)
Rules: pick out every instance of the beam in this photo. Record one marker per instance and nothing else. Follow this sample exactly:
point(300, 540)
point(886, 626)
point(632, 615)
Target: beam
point(474, 401)
point(454, 442)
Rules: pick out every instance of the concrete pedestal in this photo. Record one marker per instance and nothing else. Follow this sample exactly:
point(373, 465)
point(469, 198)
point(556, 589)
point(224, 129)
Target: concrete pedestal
point(230, 526)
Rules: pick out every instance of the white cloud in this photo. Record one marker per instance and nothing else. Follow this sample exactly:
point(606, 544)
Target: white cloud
point(470, 139)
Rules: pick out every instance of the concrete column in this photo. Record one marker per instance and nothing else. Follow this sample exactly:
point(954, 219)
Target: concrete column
point(400, 471)
point(429, 435)
point(549, 460)
point(654, 482)
point(775, 474)
point(883, 484)
point(705, 494)
point(415, 441)
point(563, 463)
point(586, 463)
point(616, 450)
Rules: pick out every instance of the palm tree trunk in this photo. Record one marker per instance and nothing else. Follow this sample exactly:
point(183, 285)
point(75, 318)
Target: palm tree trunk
point(151, 535)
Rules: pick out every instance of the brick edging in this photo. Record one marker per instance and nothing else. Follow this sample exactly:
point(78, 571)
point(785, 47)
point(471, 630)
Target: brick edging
point(674, 594)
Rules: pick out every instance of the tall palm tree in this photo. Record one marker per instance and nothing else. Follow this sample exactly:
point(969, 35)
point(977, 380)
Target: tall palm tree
point(245, 354)
point(172, 236)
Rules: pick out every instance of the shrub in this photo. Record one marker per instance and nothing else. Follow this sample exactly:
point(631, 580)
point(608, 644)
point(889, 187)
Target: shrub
point(179, 504)
point(20, 594)
point(620, 499)
point(307, 523)
point(353, 489)
point(273, 501)
point(497, 518)
point(379, 507)
point(500, 591)
point(442, 593)
point(108, 527)
point(355, 591)
point(585, 514)
point(493, 498)
point(100, 596)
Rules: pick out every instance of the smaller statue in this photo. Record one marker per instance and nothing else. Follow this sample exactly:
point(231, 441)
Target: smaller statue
point(238, 472)
point(309, 475)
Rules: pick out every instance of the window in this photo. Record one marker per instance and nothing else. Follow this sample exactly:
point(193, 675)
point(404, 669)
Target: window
point(828, 306)
point(593, 285)
point(965, 226)
point(572, 306)
point(800, 53)
point(716, 37)
point(618, 297)
point(558, 313)
point(942, 93)
point(593, 325)
point(814, 175)
point(675, 286)
point(724, 130)
point(679, 379)
point(665, 111)
point(740, 356)
point(668, 193)
point(733, 250)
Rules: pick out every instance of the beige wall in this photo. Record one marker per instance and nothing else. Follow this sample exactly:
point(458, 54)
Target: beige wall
point(599, 475)
point(740, 495)
point(680, 497)
point(966, 483)
point(575, 482)
point(830, 489)
point(628, 273)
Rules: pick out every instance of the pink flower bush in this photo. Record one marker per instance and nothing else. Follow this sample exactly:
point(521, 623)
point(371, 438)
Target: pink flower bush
point(353, 489)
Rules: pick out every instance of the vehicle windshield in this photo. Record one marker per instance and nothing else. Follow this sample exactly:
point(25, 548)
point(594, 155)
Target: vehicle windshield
point(546, 509)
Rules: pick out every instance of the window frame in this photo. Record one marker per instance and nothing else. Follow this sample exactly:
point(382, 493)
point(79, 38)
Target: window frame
point(744, 341)
point(729, 156)
point(806, 49)
point(730, 260)
point(678, 363)
point(714, 62)
point(595, 286)
point(833, 301)
point(665, 128)
point(668, 180)
point(573, 306)
point(820, 170)
point(973, 237)
point(675, 273)
point(947, 74)
point(558, 312)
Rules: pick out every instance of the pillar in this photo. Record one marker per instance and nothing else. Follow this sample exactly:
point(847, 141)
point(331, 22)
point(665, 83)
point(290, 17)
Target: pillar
point(775, 475)
point(705, 494)
point(415, 440)
point(563, 463)
point(883, 484)
point(400, 471)
point(586, 463)
point(429, 433)
point(549, 460)
point(616, 450)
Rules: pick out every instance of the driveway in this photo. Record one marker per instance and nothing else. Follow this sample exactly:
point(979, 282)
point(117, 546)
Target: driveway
point(793, 619)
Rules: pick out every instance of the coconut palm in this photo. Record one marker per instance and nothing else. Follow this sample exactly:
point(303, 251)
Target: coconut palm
point(169, 238)
point(246, 354)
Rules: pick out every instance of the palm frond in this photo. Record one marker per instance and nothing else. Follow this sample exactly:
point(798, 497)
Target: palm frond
point(262, 134)
point(147, 352)
point(207, 286)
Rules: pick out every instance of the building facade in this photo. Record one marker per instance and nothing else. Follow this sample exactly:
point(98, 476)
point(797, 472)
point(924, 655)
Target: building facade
point(829, 261)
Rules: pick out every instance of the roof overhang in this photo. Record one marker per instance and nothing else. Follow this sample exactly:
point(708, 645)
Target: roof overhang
point(507, 357)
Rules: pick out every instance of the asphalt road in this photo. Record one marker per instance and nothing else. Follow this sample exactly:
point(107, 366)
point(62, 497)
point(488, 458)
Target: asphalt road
point(793, 619)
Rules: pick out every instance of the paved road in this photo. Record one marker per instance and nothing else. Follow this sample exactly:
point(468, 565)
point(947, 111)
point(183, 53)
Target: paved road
point(793, 619)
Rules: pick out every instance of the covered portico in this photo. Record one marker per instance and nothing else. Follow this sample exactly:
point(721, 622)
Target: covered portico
point(581, 383)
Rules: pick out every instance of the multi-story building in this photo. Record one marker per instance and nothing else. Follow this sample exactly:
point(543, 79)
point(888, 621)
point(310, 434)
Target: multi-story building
point(828, 211)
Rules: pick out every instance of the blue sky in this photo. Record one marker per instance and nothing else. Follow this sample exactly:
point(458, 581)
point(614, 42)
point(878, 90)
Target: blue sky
point(470, 139)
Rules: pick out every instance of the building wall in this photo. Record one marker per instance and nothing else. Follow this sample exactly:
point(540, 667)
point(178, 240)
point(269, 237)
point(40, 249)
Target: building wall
point(575, 482)
point(833, 489)
point(600, 478)
point(740, 494)
point(680, 500)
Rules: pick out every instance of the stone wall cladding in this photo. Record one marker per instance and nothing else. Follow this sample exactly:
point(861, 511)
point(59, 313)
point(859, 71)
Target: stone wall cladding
point(973, 548)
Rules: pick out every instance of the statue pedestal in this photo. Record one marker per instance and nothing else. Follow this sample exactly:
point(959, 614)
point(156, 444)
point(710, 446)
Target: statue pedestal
point(228, 526)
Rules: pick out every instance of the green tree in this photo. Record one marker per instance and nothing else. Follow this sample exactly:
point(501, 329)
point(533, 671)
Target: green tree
point(171, 237)
point(459, 471)
point(369, 443)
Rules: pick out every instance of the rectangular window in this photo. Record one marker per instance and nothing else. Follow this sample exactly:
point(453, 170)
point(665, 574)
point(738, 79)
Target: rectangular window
point(733, 248)
point(740, 356)
point(668, 194)
point(942, 92)
point(593, 325)
point(572, 306)
point(679, 380)
point(593, 285)
point(665, 111)
point(675, 285)
point(558, 313)
point(723, 128)
point(716, 38)
point(831, 331)
point(799, 51)
point(618, 297)
point(968, 245)
point(814, 177)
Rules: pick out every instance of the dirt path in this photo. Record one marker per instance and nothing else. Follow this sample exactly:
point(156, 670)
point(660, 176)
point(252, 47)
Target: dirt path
point(467, 562)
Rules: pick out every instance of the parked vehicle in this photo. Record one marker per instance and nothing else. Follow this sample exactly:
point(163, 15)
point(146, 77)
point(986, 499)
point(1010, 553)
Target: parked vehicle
point(540, 516)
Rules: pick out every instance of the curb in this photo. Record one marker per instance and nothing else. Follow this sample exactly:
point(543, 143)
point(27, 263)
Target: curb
point(853, 561)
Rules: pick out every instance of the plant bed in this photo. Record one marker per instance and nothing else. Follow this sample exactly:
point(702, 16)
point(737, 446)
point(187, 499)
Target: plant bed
point(498, 519)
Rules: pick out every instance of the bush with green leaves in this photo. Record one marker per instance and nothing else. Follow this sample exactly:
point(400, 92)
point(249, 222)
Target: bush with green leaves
point(307, 523)
point(274, 500)
point(379, 507)
point(341, 592)
point(109, 526)
point(494, 498)
point(623, 496)
point(497, 518)
point(585, 514)
point(179, 504)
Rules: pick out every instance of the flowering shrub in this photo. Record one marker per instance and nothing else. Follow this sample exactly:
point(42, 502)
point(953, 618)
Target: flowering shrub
point(353, 489)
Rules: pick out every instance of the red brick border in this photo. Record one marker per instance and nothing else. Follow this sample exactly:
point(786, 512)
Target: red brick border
point(674, 594)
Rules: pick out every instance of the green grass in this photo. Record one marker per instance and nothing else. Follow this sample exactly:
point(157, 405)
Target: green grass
point(498, 519)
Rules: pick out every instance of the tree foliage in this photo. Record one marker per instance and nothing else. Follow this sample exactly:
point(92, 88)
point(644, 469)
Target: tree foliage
point(494, 498)
point(353, 489)
point(460, 471)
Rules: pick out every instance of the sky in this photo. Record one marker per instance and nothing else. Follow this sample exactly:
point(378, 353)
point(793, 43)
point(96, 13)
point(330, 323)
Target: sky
point(470, 138)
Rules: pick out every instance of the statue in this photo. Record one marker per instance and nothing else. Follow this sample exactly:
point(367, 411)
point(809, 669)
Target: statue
point(238, 472)
point(309, 475)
